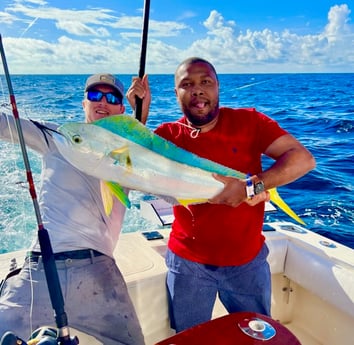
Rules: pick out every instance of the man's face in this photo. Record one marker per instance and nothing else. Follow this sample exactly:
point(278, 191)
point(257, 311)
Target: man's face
point(97, 110)
point(197, 91)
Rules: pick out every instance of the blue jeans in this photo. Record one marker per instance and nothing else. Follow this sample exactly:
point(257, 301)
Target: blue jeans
point(193, 287)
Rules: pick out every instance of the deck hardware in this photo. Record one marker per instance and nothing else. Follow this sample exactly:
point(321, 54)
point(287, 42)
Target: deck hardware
point(257, 328)
point(328, 244)
point(293, 228)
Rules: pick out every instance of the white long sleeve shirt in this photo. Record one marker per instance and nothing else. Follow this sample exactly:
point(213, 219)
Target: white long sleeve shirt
point(70, 201)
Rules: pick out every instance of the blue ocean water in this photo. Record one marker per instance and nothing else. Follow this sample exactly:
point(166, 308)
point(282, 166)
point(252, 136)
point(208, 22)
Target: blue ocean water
point(318, 109)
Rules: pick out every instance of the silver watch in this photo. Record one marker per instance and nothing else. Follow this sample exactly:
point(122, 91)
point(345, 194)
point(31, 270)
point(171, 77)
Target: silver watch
point(258, 187)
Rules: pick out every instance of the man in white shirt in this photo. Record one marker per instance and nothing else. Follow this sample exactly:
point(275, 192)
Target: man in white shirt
point(83, 237)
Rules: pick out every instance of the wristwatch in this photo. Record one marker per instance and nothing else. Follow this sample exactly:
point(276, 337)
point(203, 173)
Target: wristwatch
point(258, 187)
point(254, 187)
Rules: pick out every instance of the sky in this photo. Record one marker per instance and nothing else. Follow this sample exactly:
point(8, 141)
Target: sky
point(253, 36)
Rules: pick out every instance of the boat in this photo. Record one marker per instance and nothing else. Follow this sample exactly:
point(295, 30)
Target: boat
point(312, 284)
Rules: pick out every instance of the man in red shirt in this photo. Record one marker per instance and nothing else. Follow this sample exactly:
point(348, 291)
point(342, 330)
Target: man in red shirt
point(218, 247)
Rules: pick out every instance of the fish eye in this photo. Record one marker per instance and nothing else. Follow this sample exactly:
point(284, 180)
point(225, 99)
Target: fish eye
point(77, 139)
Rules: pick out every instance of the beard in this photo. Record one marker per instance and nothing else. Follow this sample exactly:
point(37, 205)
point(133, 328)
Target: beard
point(199, 120)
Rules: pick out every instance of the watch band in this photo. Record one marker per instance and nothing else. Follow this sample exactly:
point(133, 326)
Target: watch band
point(249, 187)
point(254, 186)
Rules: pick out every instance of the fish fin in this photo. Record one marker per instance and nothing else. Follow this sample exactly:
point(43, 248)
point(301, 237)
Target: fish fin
point(187, 202)
point(122, 156)
point(107, 198)
point(118, 191)
point(119, 152)
point(277, 200)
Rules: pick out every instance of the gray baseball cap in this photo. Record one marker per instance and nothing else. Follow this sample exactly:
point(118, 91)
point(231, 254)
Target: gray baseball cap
point(105, 79)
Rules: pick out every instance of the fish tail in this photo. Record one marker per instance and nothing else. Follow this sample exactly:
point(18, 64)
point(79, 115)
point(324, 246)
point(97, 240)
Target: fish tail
point(277, 200)
point(187, 202)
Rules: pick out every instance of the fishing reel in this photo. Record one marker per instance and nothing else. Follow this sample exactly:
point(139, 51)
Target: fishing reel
point(45, 335)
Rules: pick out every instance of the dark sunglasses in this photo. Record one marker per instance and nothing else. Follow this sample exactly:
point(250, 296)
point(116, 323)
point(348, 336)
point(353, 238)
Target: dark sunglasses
point(96, 96)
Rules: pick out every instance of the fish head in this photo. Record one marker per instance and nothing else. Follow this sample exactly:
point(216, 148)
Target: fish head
point(86, 145)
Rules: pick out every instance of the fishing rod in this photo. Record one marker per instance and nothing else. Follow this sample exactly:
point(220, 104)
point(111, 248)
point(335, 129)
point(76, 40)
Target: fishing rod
point(139, 101)
point(50, 268)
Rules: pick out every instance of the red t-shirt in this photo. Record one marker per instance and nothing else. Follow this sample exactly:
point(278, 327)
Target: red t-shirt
point(218, 234)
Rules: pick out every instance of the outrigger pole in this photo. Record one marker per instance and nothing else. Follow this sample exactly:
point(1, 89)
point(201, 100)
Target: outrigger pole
point(139, 101)
point(50, 268)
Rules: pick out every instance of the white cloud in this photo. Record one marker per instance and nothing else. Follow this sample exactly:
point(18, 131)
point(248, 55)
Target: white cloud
point(338, 27)
point(95, 15)
point(36, 2)
point(81, 29)
point(187, 15)
point(255, 50)
point(216, 24)
point(156, 28)
point(6, 18)
point(96, 40)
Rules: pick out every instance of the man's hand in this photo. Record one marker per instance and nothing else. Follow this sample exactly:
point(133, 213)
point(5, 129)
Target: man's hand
point(140, 88)
point(234, 193)
point(263, 196)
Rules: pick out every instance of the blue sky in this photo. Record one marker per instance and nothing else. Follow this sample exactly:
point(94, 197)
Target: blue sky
point(254, 36)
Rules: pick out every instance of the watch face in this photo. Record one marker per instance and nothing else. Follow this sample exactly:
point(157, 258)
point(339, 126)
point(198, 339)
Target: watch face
point(258, 187)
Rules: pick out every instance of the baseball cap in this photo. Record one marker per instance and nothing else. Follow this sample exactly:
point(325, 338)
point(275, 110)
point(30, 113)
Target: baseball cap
point(105, 79)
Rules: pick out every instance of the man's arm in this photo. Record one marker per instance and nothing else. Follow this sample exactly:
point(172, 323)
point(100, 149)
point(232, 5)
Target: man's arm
point(292, 161)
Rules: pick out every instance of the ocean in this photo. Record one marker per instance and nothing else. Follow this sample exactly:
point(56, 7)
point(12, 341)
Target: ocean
point(318, 109)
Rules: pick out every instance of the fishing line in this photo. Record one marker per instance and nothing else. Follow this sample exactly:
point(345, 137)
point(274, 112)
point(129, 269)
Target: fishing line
point(253, 84)
point(19, 183)
point(49, 265)
point(13, 191)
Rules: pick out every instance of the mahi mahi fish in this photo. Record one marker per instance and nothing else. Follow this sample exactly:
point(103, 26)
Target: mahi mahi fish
point(122, 152)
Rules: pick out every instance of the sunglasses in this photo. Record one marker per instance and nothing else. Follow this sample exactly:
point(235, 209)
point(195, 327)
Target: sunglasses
point(96, 96)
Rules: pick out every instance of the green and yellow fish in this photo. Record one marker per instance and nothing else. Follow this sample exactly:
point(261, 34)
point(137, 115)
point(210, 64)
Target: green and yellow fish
point(122, 152)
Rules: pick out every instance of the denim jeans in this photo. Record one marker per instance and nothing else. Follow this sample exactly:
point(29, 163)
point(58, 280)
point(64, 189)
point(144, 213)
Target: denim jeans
point(193, 287)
